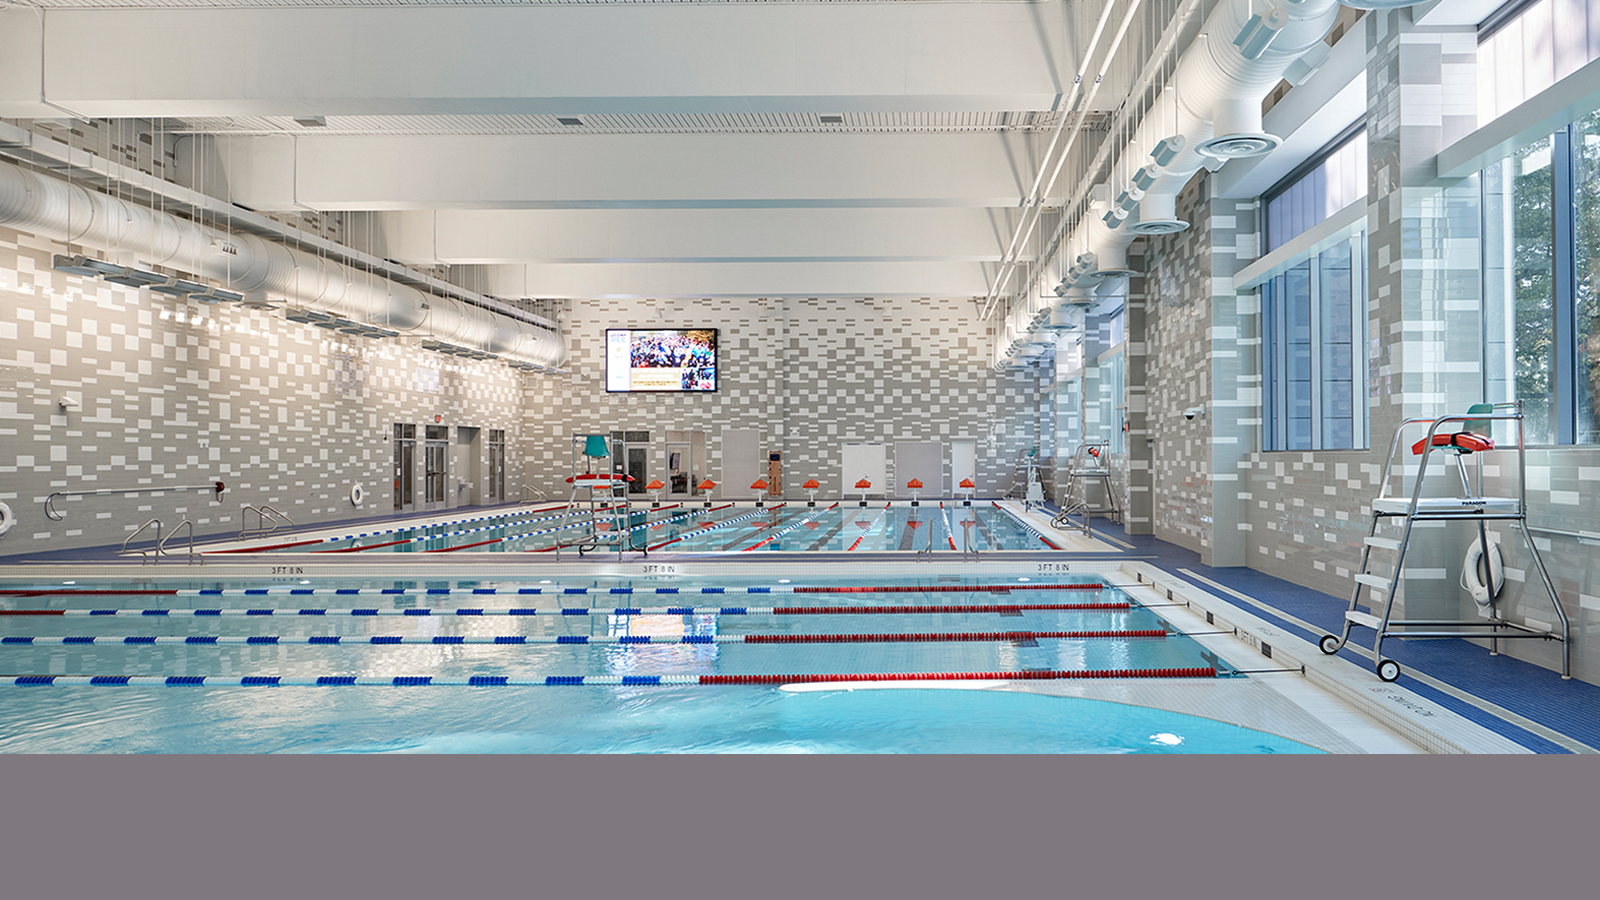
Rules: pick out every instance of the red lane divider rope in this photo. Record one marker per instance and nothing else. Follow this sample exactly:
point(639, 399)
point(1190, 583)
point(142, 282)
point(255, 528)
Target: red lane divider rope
point(836, 589)
point(465, 546)
point(912, 610)
point(1031, 675)
point(946, 637)
point(947, 588)
point(367, 547)
point(868, 529)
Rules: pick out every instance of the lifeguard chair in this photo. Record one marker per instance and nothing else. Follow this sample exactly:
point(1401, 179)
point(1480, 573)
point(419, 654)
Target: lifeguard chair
point(604, 495)
point(1088, 465)
point(1471, 439)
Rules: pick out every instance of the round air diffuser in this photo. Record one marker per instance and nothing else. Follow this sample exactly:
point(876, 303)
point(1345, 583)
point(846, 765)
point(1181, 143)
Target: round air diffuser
point(1240, 145)
point(1158, 226)
point(1238, 130)
point(1116, 273)
point(1157, 215)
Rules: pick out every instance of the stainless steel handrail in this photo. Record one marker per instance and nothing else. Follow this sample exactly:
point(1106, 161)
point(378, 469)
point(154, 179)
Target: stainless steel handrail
point(161, 545)
point(137, 531)
point(263, 512)
point(51, 512)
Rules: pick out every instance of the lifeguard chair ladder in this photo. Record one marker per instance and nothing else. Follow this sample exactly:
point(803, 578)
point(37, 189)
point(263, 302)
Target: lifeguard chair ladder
point(605, 495)
point(1471, 505)
point(1088, 463)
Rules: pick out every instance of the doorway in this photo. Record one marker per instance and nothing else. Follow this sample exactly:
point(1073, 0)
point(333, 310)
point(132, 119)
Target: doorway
point(468, 464)
point(434, 466)
point(630, 456)
point(686, 464)
point(497, 466)
point(405, 458)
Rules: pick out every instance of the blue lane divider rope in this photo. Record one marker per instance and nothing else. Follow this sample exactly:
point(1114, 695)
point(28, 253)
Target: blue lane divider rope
point(360, 612)
point(527, 515)
point(351, 641)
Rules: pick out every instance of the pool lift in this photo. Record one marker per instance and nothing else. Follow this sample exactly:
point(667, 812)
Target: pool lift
point(1472, 439)
point(1089, 463)
point(1025, 480)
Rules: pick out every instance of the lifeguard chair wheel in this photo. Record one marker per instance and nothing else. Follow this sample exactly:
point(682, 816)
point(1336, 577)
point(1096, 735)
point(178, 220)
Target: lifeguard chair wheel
point(1388, 670)
point(1329, 644)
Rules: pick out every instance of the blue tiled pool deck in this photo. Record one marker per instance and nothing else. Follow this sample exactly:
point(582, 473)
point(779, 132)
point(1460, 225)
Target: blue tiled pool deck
point(1498, 690)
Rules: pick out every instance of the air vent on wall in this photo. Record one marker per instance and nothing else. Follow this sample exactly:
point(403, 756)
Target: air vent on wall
point(833, 120)
point(569, 120)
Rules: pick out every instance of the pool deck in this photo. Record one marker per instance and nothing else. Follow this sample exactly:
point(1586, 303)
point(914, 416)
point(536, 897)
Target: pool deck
point(1532, 708)
point(1452, 696)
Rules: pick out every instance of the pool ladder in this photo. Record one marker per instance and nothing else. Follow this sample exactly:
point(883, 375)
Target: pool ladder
point(263, 513)
point(154, 554)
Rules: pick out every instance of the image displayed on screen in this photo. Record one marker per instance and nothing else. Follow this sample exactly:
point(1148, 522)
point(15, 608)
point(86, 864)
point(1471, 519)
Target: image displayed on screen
point(676, 359)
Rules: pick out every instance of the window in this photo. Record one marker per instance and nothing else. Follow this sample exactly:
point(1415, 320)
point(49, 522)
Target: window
point(1330, 181)
point(1528, 47)
point(1113, 408)
point(1314, 314)
point(1314, 323)
point(1542, 284)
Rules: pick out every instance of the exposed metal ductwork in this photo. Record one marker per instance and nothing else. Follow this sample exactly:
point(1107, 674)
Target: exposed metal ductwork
point(1209, 113)
point(44, 205)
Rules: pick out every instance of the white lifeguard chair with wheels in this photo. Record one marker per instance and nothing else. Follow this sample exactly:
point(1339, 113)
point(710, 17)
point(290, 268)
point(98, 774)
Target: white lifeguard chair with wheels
point(605, 494)
point(1471, 438)
point(1087, 465)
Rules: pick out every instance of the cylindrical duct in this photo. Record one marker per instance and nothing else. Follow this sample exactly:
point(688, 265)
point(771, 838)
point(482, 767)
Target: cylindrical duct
point(40, 204)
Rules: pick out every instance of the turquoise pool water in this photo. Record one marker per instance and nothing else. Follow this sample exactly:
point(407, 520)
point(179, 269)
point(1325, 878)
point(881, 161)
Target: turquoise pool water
point(790, 527)
point(599, 634)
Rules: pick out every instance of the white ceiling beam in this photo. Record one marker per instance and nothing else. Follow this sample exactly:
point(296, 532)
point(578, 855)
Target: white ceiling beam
point(607, 58)
point(615, 171)
point(940, 280)
point(464, 237)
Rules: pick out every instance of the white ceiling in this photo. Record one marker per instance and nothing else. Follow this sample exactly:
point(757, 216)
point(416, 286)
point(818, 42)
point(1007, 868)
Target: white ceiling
point(848, 148)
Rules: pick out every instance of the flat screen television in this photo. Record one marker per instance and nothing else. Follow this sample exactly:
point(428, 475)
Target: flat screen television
point(682, 360)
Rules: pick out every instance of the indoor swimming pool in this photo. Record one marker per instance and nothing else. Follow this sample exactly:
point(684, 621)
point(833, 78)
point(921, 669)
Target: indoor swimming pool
point(584, 664)
point(720, 528)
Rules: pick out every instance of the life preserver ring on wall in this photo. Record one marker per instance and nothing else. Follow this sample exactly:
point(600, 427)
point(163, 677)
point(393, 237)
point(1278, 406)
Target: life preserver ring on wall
point(1472, 572)
point(7, 518)
point(357, 494)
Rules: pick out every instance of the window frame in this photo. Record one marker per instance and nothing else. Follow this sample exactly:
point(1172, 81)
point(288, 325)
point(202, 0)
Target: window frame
point(1275, 348)
point(1354, 131)
point(1563, 289)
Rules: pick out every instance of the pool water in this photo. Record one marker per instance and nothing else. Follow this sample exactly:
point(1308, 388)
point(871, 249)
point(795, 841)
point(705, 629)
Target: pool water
point(786, 527)
point(703, 637)
point(724, 719)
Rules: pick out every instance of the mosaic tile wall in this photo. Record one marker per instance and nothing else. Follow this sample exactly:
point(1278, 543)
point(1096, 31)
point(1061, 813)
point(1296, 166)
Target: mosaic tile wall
point(183, 393)
point(1308, 511)
point(1177, 362)
point(1136, 466)
point(810, 375)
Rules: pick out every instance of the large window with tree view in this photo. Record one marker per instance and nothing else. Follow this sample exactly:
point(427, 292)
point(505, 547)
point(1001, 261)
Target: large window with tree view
point(1541, 235)
point(1541, 279)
